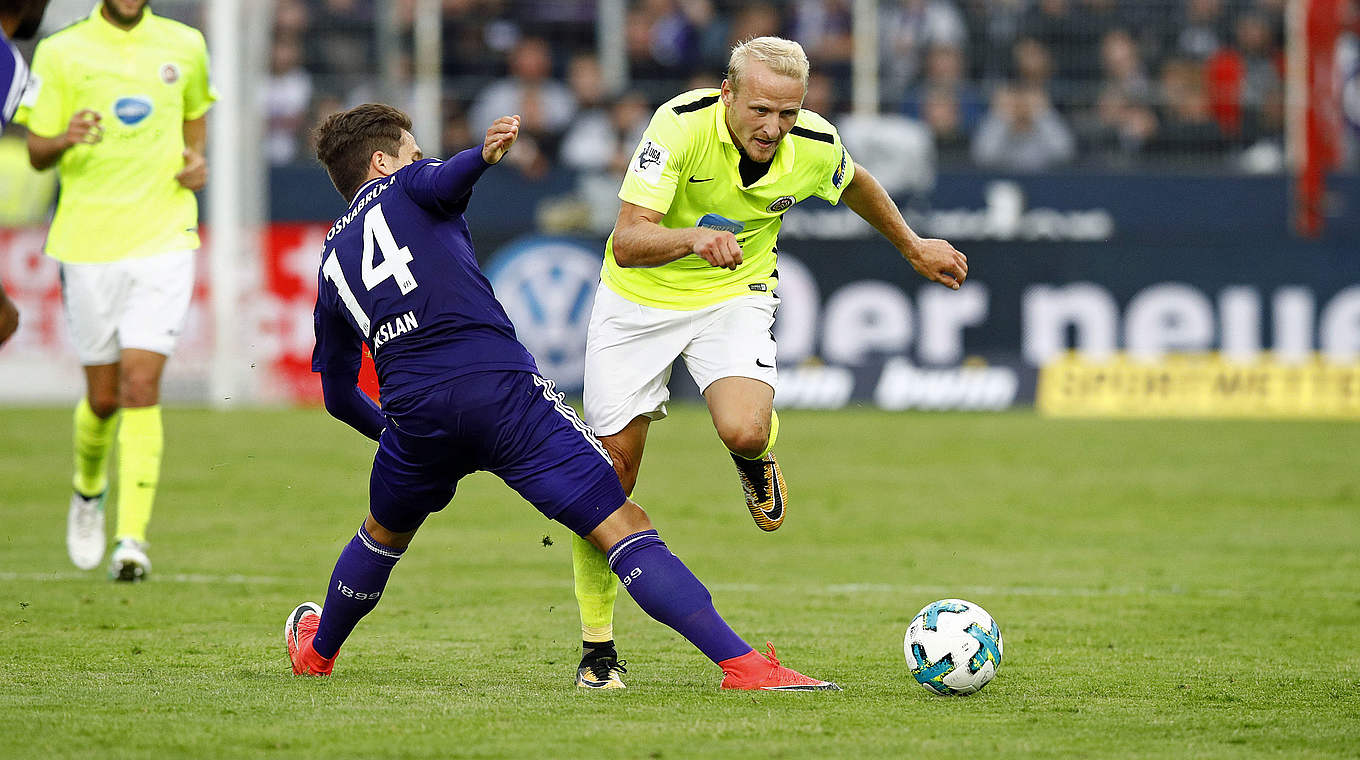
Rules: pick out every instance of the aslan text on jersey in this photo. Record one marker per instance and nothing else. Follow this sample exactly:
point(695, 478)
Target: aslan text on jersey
point(399, 325)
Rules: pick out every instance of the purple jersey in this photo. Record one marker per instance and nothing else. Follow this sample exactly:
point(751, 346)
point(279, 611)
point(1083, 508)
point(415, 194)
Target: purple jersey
point(13, 77)
point(399, 274)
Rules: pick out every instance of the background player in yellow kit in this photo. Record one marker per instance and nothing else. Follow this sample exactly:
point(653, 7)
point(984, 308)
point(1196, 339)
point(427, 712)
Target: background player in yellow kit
point(117, 104)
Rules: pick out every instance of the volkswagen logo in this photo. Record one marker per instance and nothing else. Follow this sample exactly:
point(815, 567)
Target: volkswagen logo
point(547, 286)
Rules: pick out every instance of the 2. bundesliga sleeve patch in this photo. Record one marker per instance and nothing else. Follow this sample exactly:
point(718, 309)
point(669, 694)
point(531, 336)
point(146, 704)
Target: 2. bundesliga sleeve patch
point(650, 161)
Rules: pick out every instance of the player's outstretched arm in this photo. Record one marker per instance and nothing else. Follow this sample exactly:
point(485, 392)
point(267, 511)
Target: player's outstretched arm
point(641, 241)
point(934, 259)
point(440, 187)
point(84, 128)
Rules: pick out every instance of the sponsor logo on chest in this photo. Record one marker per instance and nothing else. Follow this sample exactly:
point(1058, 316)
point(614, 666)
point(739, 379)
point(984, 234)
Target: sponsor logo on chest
point(132, 109)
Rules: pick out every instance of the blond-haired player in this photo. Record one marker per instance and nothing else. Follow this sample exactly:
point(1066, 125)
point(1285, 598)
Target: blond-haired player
point(690, 271)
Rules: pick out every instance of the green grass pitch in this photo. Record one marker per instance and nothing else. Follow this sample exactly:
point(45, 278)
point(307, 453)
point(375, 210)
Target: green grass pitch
point(1165, 589)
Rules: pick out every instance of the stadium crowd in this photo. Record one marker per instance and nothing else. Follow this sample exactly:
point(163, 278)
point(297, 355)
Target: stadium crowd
point(1007, 84)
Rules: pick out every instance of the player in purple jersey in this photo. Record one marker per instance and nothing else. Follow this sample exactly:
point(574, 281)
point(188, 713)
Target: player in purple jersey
point(461, 394)
point(19, 20)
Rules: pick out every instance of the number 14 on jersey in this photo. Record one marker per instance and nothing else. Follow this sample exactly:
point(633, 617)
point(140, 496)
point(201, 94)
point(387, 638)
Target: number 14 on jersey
point(394, 265)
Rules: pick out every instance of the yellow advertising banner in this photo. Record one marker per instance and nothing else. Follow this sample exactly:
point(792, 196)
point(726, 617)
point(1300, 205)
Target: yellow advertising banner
point(1198, 385)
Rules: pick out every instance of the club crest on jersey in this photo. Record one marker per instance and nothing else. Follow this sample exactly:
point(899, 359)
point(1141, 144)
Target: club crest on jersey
point(781, 204)
point(839, 175)
point(132, 109)
point(651, 159)
point(169, 73)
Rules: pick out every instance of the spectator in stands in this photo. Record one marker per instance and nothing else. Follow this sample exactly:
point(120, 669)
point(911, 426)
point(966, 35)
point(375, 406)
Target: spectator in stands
point(1200, 30)
point(673, 41)
point(1243, 78)
point(599, 146)
point(1187, 129)
point(712, 30)
point(342, 49)
point(946, 69)
point(468, 26)
point(1033, 67)
point(1022, 132)
point(1121, 67)
point(545, 105)
point(1144, 22)
point(637, 45)
point(824, 96)
point(993, 27)
point(907, 28)
point(823, 27)
point(901, 150)
point(456, 134)
point(1050, 22)
point(605, 131)
point(291, 19)
point(943, 117)
point(287, 98)
point(1115, 130)
point(759, 19)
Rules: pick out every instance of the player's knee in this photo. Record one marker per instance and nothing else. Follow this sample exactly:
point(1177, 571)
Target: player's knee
point(103, 404)
point(138, 389)
point(625, 521)
point(745, 440)
point(625, 465)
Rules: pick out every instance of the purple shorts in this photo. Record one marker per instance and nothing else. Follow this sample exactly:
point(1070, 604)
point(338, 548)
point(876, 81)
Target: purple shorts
point(511, 423)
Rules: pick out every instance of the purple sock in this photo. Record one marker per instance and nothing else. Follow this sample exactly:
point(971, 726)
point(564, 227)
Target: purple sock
point(359, 578)
point(665, 589)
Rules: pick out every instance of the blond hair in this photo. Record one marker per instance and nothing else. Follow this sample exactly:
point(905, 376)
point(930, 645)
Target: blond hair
point(783, 57)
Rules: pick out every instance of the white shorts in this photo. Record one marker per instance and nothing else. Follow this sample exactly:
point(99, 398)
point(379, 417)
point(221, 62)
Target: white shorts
point(630, 349)
point(137, 303)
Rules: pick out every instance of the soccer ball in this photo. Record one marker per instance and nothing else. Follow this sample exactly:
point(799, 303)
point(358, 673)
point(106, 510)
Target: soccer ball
point(953, 647)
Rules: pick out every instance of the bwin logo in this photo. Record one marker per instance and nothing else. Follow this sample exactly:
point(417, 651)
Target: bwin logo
point(548, 287)
point(132, 110)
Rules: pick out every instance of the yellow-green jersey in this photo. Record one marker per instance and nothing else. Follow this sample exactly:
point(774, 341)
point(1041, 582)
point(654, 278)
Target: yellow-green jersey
point(688, 169)
point(119, 197)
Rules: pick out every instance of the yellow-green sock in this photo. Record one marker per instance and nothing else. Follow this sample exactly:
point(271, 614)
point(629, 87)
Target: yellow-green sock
point(93, 440)
point(596, 589)
point(140, 442)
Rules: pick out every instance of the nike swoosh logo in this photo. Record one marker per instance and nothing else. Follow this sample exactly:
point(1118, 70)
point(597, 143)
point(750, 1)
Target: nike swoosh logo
point(776, 511)
point(692, 178)
point(760, 363)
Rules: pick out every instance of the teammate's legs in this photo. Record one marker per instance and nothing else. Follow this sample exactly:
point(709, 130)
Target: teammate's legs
point(157, 294)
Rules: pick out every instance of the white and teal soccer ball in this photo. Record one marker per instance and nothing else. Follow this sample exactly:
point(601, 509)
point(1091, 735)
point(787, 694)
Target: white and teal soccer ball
point(953, 647)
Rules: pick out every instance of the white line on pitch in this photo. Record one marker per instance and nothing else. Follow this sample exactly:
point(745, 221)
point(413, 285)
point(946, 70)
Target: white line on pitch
point(833, 588)
point(158, 578)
